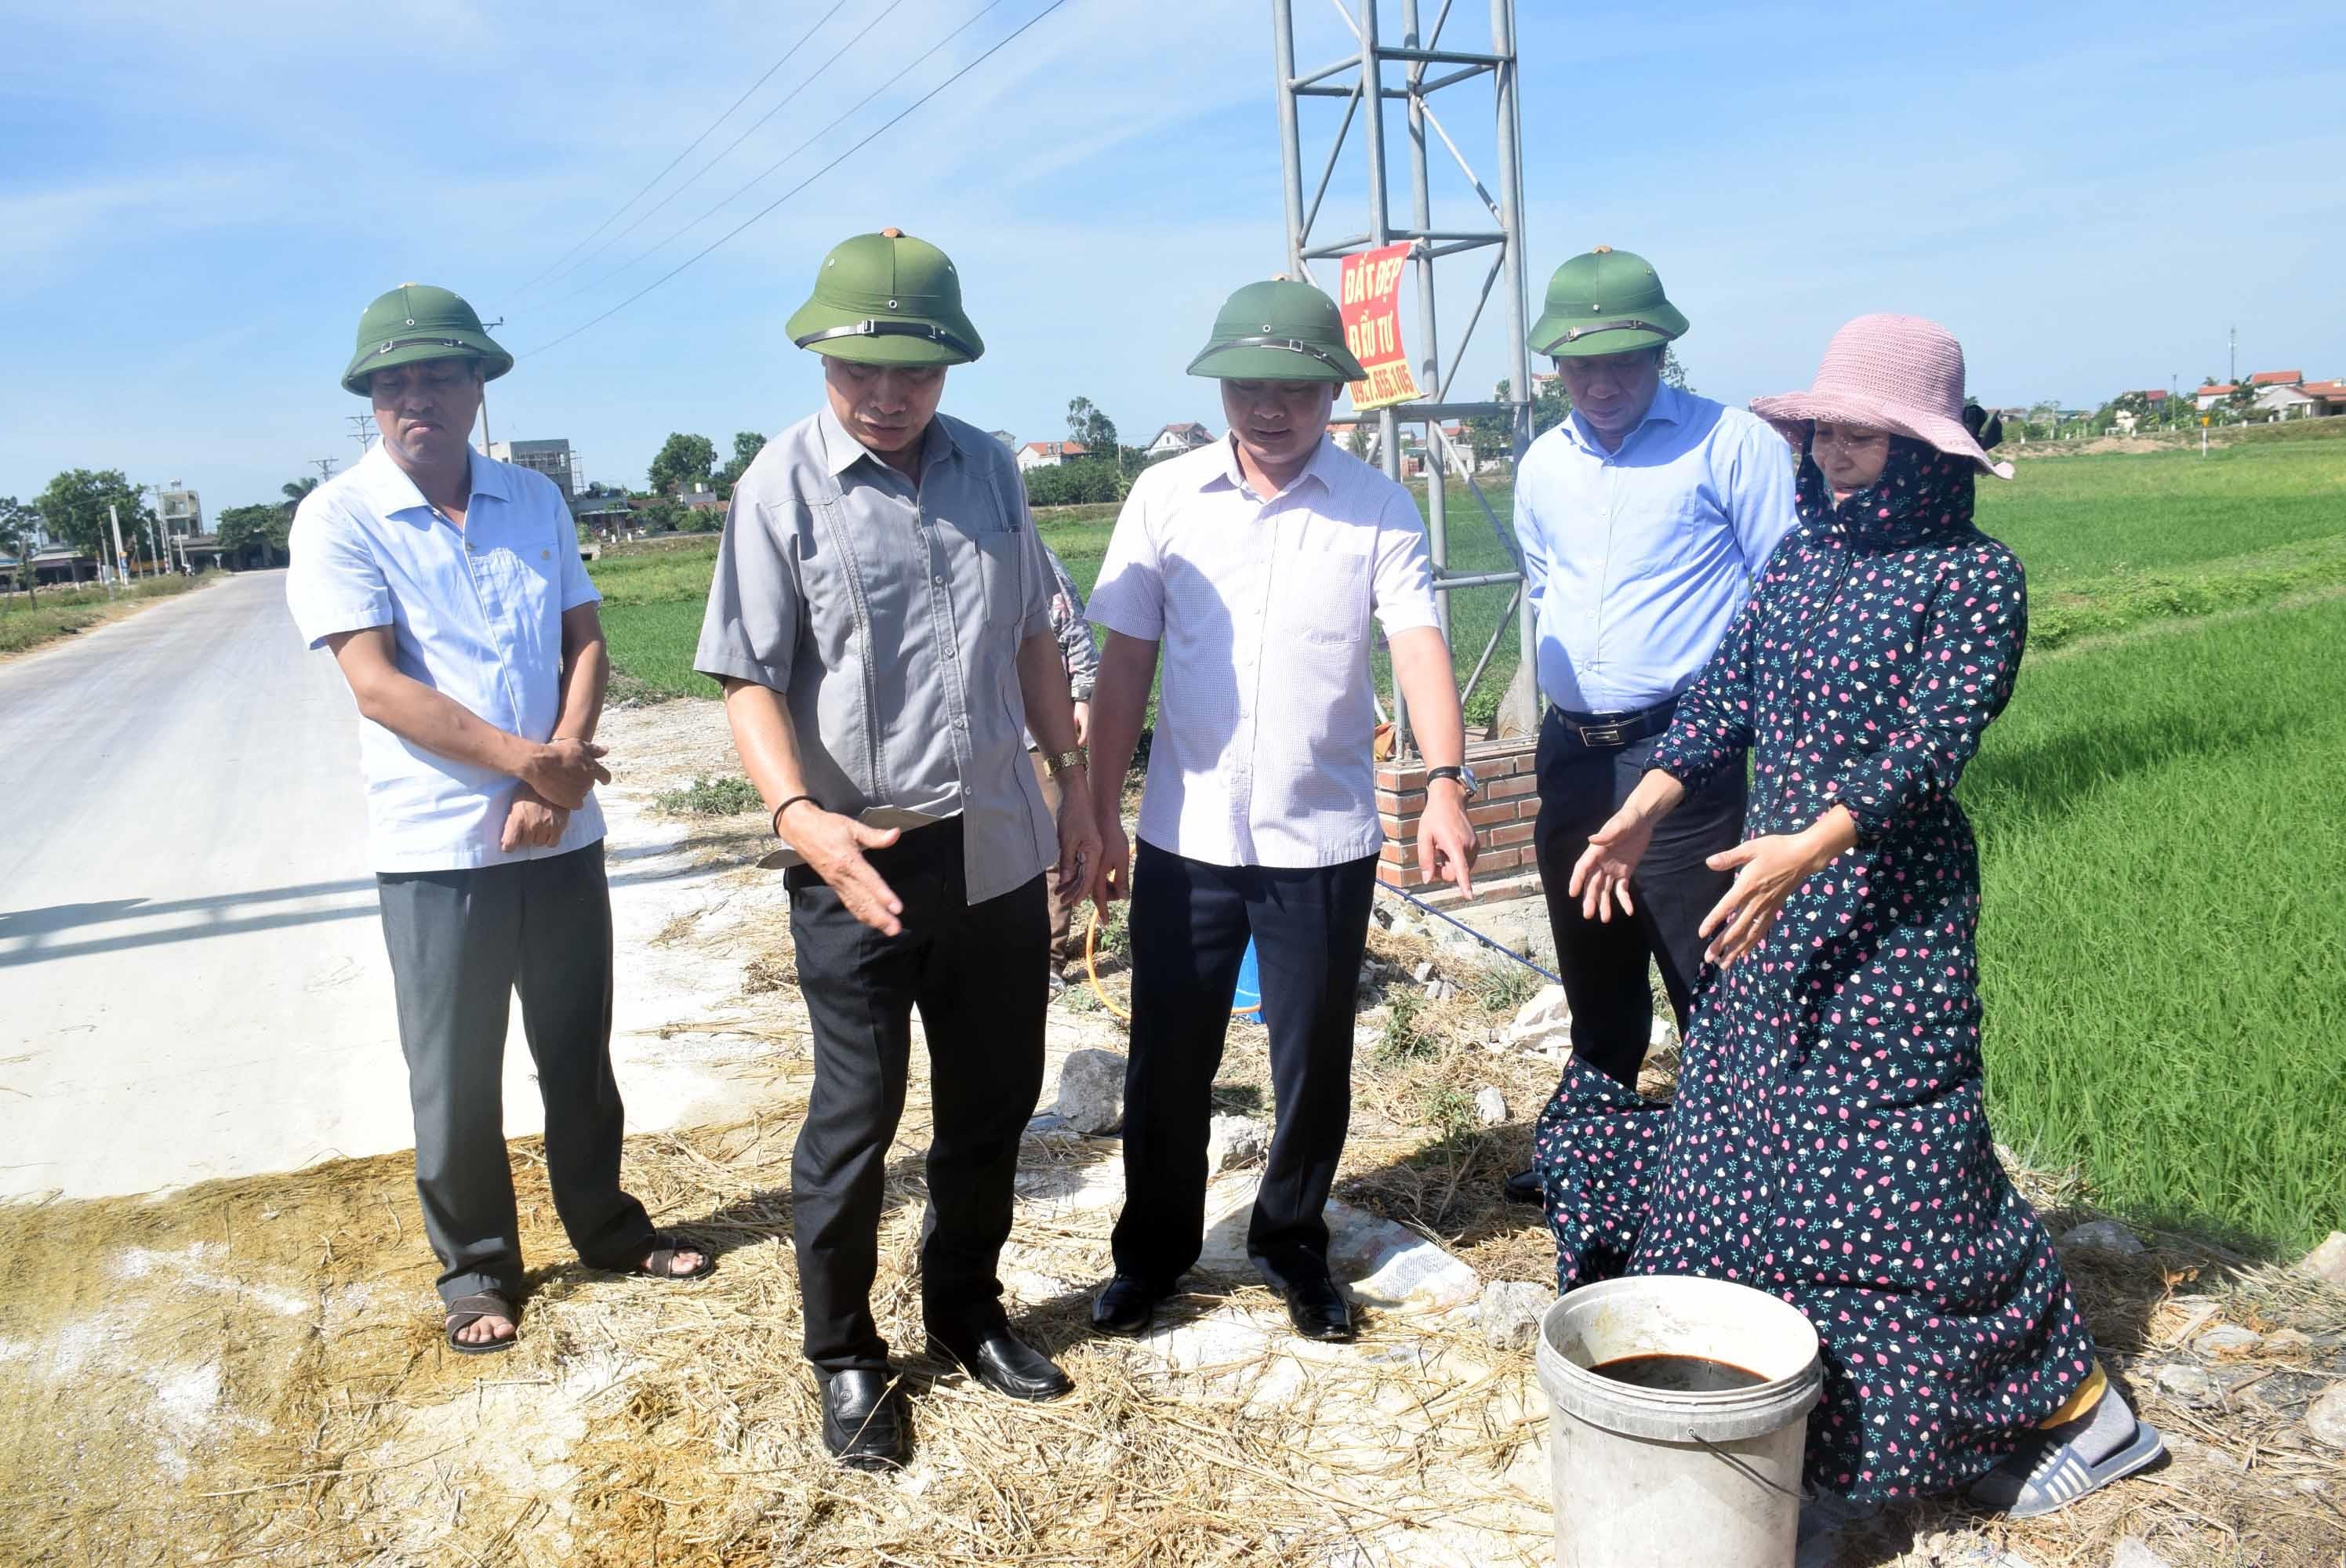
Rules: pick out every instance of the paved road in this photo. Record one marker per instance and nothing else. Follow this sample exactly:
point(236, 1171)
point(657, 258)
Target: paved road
point(192, 980)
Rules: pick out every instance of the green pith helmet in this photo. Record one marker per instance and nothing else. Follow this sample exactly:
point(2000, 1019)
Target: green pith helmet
point(887, 298)
point(1606, 302)
point(1278, 331)
point(416, 321)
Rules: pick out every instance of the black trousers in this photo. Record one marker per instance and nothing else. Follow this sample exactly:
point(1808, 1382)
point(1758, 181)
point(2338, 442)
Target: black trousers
point(1603, 964)
point(1190, 922)
point(461, 944)
point(976, 973)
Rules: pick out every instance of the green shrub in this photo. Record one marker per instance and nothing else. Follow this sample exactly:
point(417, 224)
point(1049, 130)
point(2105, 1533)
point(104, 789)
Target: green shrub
point(713, 797)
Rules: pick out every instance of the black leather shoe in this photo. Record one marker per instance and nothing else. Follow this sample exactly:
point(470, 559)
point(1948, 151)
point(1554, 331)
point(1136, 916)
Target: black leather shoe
point(1524, 1186)
point(862, 1420)
point(1319, 1311)
point(1125, 1305)
point(1001, 1361)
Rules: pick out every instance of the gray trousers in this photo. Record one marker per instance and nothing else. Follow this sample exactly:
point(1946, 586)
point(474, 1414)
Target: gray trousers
point(461, 942)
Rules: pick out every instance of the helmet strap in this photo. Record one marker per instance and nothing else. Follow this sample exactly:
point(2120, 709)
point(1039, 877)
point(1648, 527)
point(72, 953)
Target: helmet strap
point(873, 329)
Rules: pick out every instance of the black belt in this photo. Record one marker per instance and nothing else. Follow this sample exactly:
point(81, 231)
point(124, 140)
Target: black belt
point(1600, 731)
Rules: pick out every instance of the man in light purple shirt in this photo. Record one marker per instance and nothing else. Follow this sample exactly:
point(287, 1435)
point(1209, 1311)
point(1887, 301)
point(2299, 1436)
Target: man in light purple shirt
point(1259, 564)
point(1644, 518)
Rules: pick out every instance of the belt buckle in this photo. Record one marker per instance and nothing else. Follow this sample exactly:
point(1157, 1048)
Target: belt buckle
point(1603, 733)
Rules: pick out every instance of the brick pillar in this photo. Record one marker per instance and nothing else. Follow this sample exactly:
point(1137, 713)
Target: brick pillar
point(1503, 814)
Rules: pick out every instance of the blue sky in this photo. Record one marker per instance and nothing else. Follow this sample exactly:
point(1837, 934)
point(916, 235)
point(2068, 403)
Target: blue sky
point(196, 202)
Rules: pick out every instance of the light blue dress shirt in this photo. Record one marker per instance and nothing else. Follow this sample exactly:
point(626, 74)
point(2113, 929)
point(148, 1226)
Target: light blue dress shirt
point(1638, 558)
point(476, 613)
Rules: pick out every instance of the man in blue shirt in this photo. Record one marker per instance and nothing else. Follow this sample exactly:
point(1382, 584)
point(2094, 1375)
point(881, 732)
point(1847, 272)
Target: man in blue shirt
point(1644, 518)
point(449, 588)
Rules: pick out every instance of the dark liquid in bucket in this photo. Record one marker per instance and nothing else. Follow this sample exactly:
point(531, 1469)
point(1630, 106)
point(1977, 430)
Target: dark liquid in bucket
point(1678, 1374)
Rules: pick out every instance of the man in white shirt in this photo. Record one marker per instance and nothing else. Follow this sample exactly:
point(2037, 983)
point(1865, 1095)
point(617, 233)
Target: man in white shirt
point(1259, 563)
point(449, 588)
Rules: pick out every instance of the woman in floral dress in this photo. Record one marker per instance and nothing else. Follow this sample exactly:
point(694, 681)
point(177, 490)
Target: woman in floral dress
point(1828, 1141)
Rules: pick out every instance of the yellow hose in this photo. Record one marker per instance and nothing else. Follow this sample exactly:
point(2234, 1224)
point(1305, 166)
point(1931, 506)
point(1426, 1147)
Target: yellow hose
point(1091, 968)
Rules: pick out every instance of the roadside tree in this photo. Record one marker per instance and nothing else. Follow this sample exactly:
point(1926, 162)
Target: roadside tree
point(74, 505)
point(295, 492)
point(20, 535)
point(685, 463)
point(245, 529)
point(746, 444)
point(1087, 424)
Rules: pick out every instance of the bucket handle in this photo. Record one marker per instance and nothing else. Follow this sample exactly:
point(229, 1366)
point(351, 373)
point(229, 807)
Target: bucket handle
point(1807, 1495)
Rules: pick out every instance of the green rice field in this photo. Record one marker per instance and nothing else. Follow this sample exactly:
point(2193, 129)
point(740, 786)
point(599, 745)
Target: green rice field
point(2163, 848)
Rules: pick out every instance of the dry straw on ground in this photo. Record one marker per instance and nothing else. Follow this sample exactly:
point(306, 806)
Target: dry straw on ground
point(250, 1371)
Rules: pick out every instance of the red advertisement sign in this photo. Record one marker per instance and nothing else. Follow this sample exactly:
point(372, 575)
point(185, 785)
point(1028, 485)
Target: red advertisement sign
point(1370, 300)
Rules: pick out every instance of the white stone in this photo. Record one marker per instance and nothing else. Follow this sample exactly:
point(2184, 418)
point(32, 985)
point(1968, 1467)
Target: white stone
point(2103, 1236)
point(1091, 1091)
point(1663, 1035)
point(1490, 1105)
point(1379, 1263)
point(1422, 973)
point(2325, 1419)
point(2133, 1552)
point(2191, 1385)
point(1233, 1141)
point(2328, 1261)
point(1510, 1313)
point(1544, 1015)
point(2228, 1340)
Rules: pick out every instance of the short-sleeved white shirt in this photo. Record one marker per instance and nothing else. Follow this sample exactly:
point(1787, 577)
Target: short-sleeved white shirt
point(476, 613)
point(1262, 611)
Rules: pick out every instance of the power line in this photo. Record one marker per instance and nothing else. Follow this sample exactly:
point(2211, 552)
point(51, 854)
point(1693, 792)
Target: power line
point(679, 158)
point(760, 176)
point(646, 216)
point(884, 128)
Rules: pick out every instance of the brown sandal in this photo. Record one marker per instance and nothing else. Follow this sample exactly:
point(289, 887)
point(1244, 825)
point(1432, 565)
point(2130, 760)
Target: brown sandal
point(661, 1264)
point(467, 1310)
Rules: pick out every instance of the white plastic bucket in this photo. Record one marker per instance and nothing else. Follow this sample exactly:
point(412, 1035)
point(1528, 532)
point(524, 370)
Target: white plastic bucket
point(1650, 1478)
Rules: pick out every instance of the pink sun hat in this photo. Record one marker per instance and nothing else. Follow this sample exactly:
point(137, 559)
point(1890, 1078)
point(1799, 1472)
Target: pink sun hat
point(1899, 373)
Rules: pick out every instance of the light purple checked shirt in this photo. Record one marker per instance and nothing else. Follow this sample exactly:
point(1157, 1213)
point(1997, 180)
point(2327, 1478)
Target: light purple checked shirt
point(1262, 610)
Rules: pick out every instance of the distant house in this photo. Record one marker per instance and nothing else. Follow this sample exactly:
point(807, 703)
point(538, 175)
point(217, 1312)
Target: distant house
point(2328, 398)
point(2284, 399)
point(1008, 441)
point(1343, 431)
point(702, 500)
point(1049, 454)
point(62, 564)
point(2276, 378)
point(1176, 438)
point(2208, 397)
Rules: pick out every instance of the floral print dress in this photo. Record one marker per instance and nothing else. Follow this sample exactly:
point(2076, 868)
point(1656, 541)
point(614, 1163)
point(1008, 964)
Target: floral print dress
point(1827, 1143)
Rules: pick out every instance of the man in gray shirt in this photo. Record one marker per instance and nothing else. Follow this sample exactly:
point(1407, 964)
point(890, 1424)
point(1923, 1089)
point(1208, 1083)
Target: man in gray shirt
point(880, 621)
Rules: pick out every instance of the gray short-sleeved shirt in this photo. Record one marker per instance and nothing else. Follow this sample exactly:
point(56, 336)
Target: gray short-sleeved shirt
point(890, 619)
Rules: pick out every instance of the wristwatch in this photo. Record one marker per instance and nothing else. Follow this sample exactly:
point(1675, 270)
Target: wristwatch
point(1463, 776)
point(1060, 761)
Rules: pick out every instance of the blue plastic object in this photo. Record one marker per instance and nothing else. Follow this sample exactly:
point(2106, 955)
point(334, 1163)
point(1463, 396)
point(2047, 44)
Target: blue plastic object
point(1250, 993)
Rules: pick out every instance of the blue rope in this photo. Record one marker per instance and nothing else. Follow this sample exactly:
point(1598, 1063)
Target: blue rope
point(1469, 931)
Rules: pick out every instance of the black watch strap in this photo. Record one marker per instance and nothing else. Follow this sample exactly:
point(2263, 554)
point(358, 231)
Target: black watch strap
point(1458, 775)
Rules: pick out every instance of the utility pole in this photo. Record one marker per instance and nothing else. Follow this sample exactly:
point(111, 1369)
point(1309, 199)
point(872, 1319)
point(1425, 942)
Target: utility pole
point(363, 430)
point(121, 557)
point(325, 467)
point(2232, 340)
